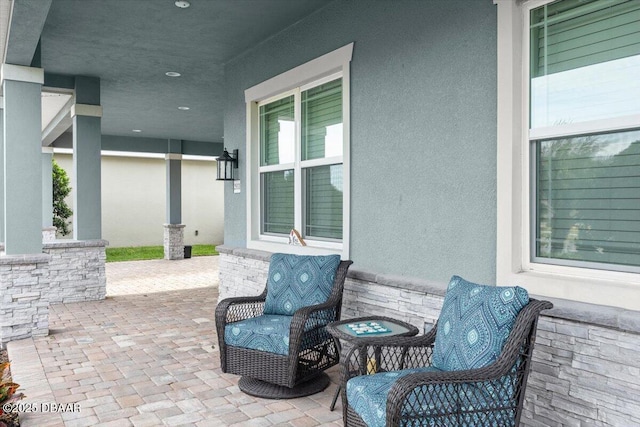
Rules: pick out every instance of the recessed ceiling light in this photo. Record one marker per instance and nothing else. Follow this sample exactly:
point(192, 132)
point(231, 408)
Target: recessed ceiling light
point(184, 108)
point(136, 130)
point(182, 4)
point(172, 74)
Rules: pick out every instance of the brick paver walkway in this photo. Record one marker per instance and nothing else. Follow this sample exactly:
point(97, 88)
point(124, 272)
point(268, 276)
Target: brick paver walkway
point(146, 356)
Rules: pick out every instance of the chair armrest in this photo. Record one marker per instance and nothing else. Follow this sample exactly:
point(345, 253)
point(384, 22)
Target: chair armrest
point(318, 311)
point(239, 308)
point(449, 393)
point(310, 318)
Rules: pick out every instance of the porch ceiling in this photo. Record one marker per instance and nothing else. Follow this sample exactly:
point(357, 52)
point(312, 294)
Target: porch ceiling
point(130, 45)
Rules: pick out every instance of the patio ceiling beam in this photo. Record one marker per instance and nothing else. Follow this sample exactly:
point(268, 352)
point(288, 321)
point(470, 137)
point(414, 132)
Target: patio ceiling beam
point(146, 145)
point(27, 21)
point(158, 145)
point(59, 81)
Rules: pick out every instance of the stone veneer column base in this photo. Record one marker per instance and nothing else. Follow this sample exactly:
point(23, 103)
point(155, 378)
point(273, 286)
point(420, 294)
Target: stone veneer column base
point(174, 241)
point(77, 270)
point(25, 291)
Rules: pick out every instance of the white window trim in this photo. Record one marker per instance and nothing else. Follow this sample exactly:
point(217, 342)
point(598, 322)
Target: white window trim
point(513, 249)
point(303, 77)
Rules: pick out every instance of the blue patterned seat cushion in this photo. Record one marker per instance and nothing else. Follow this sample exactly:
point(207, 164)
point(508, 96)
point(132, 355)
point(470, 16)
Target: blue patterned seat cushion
point(268, 332)
point(475, 323)
point(367, 395)
point(297, 281)
point(487, 404)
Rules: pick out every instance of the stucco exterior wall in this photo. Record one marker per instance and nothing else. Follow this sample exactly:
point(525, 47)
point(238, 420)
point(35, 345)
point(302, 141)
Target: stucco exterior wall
point(133, 200)
point(423, 130)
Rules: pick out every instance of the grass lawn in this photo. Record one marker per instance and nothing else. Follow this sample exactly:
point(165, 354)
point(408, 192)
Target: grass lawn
point(137, 253)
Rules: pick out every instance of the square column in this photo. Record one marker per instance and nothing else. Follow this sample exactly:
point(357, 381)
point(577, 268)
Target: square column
point(87, 142)
point(87, 181)
point(22, 164)
point(173, 229)
point(174, 188)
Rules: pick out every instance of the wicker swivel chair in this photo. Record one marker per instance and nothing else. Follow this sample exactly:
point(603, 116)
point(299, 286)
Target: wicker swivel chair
point(277, 341)
point(471, 369)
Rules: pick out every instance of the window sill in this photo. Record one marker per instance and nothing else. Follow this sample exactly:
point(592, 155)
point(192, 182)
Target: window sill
point(283, 247)
point(599, 287)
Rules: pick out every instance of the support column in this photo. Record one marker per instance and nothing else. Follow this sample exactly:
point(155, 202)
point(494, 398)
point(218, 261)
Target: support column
point(48, 230)
point(24, 282)
point(173, 229)
point(22, 159)
point(87, 141)
point(78, 268)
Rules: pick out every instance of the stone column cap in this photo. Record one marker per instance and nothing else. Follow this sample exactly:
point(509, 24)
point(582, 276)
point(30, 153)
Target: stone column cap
point(174, 225)
point(68, 243)
point(24, 259)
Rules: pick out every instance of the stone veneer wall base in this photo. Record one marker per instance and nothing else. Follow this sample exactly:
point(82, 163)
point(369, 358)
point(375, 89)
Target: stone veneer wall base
point(77, 270)
point(585, 364)
point(24, 292)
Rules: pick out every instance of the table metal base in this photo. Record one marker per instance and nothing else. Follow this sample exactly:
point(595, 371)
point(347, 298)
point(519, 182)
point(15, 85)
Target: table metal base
point(267, 390)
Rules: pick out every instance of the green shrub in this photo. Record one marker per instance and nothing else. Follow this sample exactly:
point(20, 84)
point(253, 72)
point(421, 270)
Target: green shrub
point(61, 189)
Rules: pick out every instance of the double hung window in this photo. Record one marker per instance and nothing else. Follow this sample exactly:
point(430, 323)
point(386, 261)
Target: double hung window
point(298, 151)
point(584, 133)
point(301, 162)
point(568, 146)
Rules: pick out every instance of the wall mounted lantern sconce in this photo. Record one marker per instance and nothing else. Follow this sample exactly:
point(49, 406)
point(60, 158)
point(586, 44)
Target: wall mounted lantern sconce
point(226, 164)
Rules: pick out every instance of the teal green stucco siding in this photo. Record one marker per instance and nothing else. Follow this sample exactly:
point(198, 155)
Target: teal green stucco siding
point(22, 168)
point(423, 130)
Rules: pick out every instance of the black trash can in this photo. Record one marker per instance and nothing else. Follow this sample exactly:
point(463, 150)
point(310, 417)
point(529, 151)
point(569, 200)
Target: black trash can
point(187, 252)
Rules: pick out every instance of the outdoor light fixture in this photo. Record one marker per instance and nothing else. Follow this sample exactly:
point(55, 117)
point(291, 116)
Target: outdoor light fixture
point(226, 164)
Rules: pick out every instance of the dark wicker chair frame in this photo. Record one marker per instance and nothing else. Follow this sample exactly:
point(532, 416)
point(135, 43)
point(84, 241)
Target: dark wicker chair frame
point(311, 348)
point(451, 396)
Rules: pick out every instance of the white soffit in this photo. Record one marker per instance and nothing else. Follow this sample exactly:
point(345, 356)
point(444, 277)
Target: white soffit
point(56, 117)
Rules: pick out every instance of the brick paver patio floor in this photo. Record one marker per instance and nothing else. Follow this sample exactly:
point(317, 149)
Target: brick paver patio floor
point(147, 356)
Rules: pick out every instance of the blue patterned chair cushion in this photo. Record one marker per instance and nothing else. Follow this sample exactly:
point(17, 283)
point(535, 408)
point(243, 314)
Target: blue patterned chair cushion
point(268, 332)
point(475, 323)
point(367, 395)
point(297, 281)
